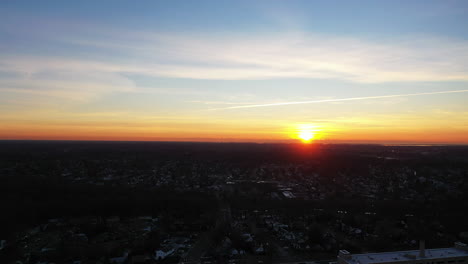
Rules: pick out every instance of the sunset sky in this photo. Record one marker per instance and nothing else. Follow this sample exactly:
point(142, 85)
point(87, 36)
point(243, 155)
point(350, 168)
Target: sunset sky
point(256, 71)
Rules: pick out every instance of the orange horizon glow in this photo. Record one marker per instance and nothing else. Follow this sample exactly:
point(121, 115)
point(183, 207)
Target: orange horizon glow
point(229, 133)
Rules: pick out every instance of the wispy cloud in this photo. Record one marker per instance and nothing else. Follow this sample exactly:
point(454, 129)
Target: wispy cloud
point(295, 55)
point(112, 56)
point(218, 102)
point(263, 56)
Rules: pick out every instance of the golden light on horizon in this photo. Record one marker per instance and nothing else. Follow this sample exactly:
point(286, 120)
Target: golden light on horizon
point(306, 133)
point(306, 136)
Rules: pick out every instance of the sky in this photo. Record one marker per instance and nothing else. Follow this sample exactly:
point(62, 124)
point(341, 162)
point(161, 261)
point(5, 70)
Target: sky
point(235, 71)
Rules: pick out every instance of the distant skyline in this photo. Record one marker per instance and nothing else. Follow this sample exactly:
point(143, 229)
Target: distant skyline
point(235, 71)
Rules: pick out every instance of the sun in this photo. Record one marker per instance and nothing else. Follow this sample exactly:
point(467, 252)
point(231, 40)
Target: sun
point(306, 132)
point(306, 135)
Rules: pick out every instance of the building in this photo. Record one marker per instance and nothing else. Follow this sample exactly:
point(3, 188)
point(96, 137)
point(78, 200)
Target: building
point(455, 255)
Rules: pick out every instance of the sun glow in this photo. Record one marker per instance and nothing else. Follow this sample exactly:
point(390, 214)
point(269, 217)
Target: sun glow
point(306, 133)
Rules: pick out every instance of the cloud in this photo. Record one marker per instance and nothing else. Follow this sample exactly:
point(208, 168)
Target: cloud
point(298, 55)
point(112, 56)
point(263, 56)
point(73, 81)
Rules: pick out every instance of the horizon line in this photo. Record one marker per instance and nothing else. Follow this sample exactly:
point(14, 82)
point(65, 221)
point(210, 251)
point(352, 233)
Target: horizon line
point(317, 142)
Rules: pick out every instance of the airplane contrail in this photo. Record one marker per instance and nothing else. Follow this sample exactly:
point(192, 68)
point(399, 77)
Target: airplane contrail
point(340, 99)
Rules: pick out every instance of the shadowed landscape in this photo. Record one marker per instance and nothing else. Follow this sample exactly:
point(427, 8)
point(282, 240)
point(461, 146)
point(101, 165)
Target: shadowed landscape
point(95, 201)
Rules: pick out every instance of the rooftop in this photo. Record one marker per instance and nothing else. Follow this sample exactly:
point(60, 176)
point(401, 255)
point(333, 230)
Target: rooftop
point(407, 255)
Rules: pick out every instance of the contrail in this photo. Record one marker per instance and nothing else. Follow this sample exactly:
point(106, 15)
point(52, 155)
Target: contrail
point(340, 99)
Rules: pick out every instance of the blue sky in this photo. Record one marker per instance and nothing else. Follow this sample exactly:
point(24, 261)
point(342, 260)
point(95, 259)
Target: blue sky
point(335, 17)
point(162, 67)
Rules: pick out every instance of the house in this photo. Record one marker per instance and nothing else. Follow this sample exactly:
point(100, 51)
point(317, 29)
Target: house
point(163, 253)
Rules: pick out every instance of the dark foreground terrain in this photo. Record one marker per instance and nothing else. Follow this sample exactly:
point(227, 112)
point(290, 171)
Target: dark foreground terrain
point(142, 202)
